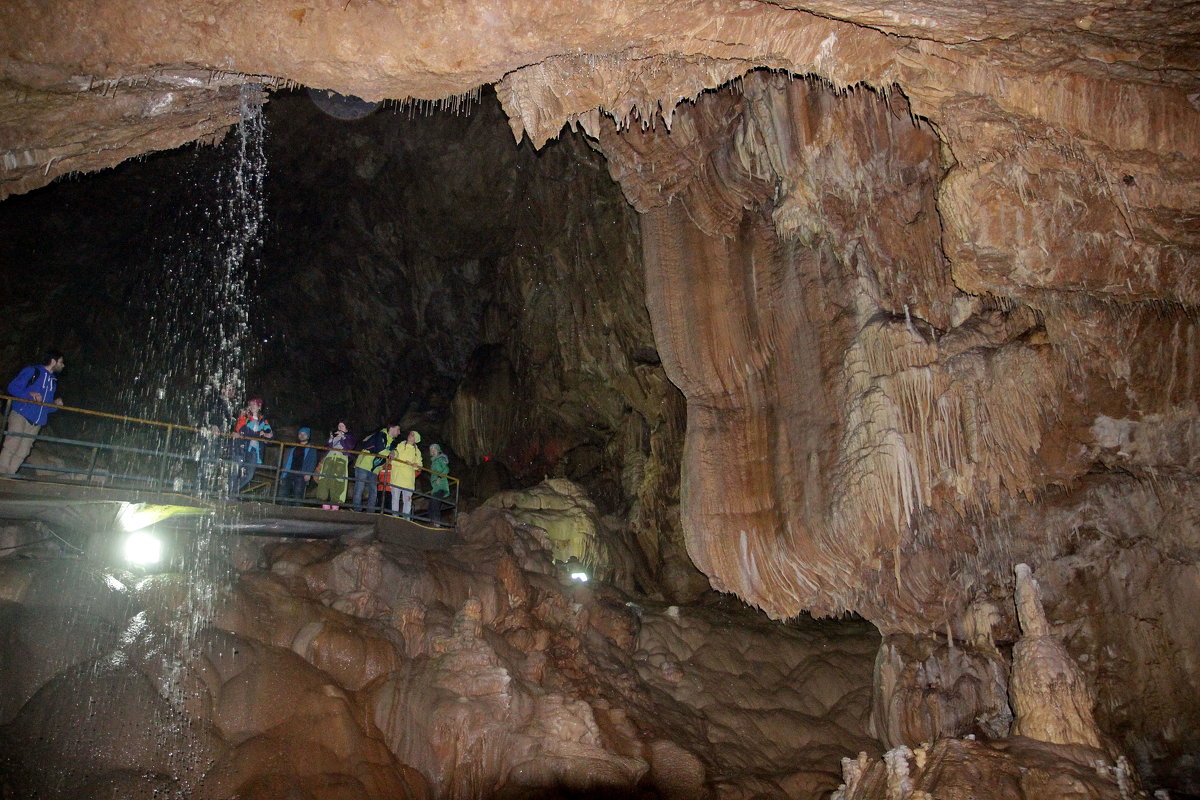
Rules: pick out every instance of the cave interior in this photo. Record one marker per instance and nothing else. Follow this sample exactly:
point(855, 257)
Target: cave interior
point(854, 353)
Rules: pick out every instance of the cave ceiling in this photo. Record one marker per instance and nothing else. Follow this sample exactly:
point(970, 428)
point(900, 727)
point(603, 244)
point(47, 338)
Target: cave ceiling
point(85, 86)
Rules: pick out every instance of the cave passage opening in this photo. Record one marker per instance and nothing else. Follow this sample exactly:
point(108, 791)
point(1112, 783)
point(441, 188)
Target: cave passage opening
point(413, 265)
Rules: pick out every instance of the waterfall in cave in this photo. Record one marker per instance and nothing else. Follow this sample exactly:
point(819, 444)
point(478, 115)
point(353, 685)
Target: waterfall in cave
point(192, 316)
point(197, 342)
point(201, 343)
point(195, 308)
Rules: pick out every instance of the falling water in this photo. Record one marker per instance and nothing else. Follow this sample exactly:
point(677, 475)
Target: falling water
point(219, 299)
point(130, 647)
point(196, 310)
point(197, 340)
point(219, 346)
point(197, 293)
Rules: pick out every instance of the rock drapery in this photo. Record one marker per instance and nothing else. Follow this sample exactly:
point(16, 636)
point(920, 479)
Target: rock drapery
point(864, 433)
point(941, 325)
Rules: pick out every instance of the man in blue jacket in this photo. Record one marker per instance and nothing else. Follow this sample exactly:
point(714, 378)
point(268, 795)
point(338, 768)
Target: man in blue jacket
point(299, 463)
point(37, 383)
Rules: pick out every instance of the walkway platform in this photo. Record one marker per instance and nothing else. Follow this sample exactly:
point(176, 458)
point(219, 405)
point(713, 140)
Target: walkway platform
point(79, 512)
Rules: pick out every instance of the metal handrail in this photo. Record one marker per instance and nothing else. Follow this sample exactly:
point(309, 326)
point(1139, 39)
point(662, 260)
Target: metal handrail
point(164, 480)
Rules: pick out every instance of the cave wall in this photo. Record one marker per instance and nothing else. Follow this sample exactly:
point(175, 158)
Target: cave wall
point(486, 293)
point(566, 380)
point(380, 257)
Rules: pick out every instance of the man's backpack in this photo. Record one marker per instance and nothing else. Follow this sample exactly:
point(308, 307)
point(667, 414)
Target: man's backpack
point(376, 443)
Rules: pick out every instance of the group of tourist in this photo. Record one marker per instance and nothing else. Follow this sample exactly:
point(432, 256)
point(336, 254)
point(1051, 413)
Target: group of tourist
point(382, 460)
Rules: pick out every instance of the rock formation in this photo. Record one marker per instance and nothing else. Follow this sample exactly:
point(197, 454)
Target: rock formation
point(897, 438)
point(375, 670)
point(1055, 749)
point(959, 769)
point(1051, 700)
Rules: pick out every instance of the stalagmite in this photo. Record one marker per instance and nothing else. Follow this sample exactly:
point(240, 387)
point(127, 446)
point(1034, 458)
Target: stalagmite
point(1051, 700)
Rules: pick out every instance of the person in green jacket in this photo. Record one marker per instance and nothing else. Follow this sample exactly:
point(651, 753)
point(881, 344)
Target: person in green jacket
point(439, 482)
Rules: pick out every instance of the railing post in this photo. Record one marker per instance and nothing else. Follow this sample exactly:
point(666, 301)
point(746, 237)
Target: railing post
point(162, 470)
point(92, 464)
point(457, 484)
point(275, 480)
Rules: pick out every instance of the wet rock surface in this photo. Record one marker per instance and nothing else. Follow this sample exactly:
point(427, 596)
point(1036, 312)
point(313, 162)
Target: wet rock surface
point(377, 670)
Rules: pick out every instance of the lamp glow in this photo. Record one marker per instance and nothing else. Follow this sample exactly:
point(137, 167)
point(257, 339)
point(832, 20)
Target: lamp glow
point(579, 576)
point(135, 516)
point(142, 549)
